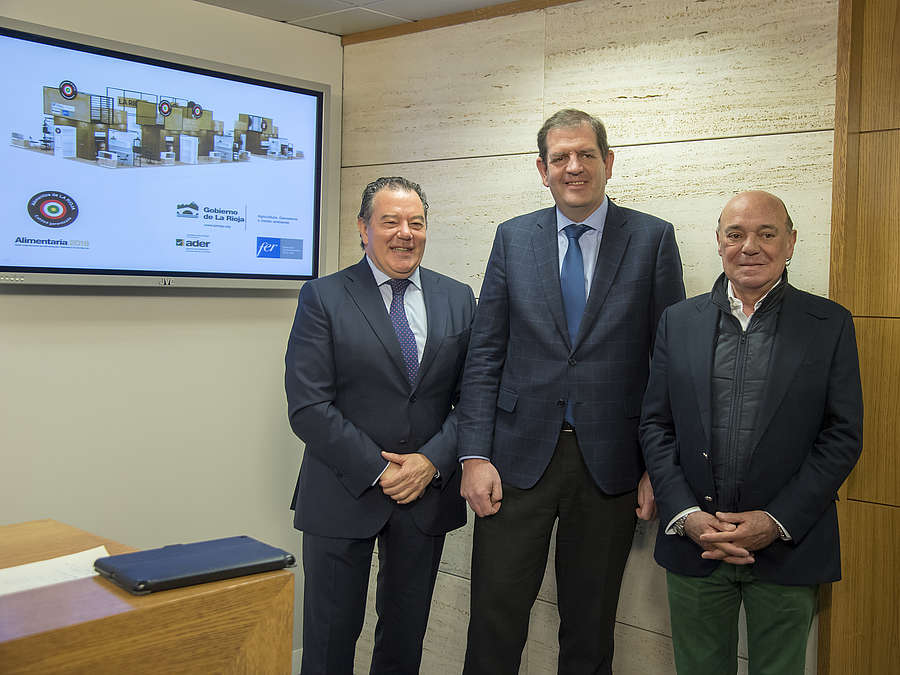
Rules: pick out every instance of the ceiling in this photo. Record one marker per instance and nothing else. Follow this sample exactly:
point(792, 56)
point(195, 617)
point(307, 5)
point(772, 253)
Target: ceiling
point(342, 17)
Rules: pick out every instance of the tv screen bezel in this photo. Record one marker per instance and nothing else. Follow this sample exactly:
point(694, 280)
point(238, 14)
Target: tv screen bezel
point(22, 276)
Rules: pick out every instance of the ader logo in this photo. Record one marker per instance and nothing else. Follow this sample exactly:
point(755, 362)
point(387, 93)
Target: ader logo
point(193, 243)
point(52, 209)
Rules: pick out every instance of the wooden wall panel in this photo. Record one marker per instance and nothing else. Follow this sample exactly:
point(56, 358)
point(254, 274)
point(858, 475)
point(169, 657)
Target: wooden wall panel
point(880, 66)
point(876, 477)
point(866, 616)
point(859, 621)
point(871, 285)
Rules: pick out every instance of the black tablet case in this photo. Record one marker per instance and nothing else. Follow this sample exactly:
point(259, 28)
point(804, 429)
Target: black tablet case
point(179, 565)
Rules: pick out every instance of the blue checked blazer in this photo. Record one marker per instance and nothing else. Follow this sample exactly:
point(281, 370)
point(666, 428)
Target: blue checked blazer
point(522, 365)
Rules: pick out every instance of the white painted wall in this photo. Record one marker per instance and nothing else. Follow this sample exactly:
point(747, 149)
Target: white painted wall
point(154, 417)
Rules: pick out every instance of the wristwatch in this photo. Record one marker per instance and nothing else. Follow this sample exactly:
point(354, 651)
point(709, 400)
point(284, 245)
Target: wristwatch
point(678, 525)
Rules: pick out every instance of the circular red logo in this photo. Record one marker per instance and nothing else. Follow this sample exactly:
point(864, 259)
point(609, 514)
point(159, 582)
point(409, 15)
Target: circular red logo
point(68, 90)
point(52, 209)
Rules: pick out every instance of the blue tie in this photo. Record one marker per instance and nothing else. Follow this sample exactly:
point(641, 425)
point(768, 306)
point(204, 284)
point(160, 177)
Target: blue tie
point(401, 328)
point(571, 280)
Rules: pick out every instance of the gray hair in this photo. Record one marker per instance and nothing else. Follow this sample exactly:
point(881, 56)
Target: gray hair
point(566, 119)
point(388, 183)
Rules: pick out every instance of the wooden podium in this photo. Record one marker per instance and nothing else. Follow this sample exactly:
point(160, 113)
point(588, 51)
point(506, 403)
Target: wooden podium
point(241, 625)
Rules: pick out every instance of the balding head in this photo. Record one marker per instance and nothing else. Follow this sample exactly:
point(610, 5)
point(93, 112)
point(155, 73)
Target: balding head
point(759, 199)
point(756, 238)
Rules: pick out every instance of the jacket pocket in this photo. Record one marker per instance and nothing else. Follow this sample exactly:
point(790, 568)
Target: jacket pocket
point(507, 399)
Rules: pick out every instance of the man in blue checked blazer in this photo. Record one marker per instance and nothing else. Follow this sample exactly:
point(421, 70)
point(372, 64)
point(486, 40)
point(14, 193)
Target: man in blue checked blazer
point(551, 398)
point(373, 366)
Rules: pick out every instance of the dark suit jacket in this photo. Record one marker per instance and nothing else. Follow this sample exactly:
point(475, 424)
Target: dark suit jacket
point(807, 437)
point(522, 367)
point(349, 398)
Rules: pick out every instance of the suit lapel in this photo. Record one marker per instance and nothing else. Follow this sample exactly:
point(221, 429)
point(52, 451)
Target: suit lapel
point(361, 287)
point(609, 257)
point(796, 327)
point(546, 256)
point(700, 354)
point(436, 316)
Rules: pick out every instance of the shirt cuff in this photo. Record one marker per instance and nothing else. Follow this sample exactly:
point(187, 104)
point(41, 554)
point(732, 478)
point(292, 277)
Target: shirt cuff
point(375, 482)
point(463, 459)
point(783, 534)
point(670, 528)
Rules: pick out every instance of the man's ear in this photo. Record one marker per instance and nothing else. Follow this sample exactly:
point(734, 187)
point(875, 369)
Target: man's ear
point(542, 168)
point(610, 158)
point(363, 234)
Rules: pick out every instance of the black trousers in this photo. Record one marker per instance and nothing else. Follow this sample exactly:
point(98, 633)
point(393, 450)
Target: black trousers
point(336, 580)
point(509, 555)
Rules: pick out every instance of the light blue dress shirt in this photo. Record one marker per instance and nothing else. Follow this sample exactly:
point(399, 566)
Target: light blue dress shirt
point(589, 241)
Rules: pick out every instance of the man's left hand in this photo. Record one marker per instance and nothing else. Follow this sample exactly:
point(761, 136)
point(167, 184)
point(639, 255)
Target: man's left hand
point(755, 530)
point(646, 508)
point(406, 484)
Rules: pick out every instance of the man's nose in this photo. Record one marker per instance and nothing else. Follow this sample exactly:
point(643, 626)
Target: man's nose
point(751, 244)
point(574, 165)
point(404, 230)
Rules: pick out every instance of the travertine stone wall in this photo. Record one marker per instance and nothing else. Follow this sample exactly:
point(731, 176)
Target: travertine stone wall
point(701, 99)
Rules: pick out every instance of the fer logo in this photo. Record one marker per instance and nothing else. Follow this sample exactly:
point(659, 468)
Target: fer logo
point(268, 247)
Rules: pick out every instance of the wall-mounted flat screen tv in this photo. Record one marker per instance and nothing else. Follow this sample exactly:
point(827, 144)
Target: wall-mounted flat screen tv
point(124, 168)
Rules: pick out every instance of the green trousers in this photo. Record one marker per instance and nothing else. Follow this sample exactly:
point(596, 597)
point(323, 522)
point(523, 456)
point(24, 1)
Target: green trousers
point(704, 613)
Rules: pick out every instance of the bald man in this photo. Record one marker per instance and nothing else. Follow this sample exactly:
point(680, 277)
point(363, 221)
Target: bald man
point(751, 421)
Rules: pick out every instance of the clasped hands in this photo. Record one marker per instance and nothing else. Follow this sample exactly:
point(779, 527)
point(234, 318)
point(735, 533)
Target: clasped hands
point(731, 537)
point(406, 476)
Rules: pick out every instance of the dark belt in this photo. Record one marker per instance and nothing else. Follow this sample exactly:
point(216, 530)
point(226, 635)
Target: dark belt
point(567, 427)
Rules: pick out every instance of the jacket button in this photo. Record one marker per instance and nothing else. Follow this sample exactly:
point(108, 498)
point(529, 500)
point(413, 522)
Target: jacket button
point(708, 498)
point(561, 402)
point(402, 441)
point(412, 399)
point(572, 361)
point(705, 454)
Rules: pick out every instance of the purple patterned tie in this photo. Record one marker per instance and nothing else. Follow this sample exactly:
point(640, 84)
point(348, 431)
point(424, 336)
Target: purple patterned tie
point(402, 329)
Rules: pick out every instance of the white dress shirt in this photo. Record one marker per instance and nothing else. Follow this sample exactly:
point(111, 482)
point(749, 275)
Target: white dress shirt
point(413, 303)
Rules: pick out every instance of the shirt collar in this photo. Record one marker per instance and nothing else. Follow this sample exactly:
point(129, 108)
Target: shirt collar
point(382, 278)
point(737, 303)
point(595, 221)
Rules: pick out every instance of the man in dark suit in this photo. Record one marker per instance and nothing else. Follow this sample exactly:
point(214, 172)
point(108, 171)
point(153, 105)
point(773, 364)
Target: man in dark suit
point(372, 373)
point(751, 421)
point(557, 365)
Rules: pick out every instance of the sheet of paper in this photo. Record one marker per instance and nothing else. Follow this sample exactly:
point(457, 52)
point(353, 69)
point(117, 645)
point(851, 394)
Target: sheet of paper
point(52, 571)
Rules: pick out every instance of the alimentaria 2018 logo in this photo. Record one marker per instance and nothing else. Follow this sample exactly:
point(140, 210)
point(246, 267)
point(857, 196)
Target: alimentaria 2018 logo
point(52, 209)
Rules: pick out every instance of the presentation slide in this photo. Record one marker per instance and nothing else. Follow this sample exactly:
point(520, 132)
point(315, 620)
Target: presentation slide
point(112, 164)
